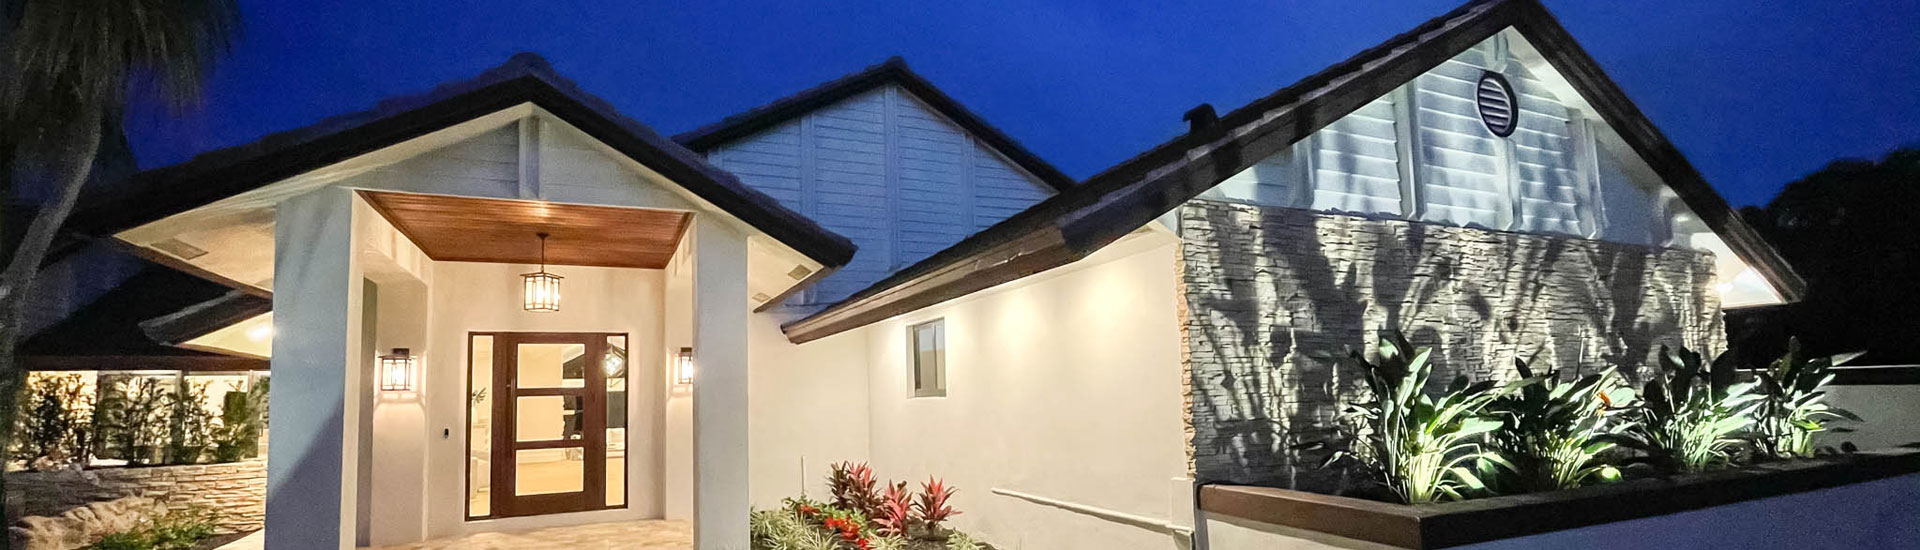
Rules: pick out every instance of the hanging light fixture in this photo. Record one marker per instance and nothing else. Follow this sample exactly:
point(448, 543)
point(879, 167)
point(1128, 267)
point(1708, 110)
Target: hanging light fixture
point(396, 371)
point(541, 289)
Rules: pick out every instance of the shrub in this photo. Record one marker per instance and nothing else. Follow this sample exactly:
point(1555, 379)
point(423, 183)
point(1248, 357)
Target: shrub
point(242, 418)
point(932, 504)
point(177, 530)
point(190, 425)
point(896, 511)
point(852, 487)
point(55, 421)
point(1415, 445)
point(1553, 433)
point(131, 418)
point(1686, 422)
point(1794, 406)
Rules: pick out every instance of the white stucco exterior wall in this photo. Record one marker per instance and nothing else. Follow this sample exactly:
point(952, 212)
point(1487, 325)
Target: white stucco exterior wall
point(1066, 386)
point(312, 463)
point(720, 440)
point(807, 409)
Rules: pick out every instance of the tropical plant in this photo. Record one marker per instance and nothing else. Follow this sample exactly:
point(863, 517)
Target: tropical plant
point(175, 530)
point(241, 420)
point(1417, 446)
point(1553, 432)
point(69, 65)
point(852, 487)
point(960, 541)
point(56, 425)
point(1795, 407)
point(932, 503)
point(896, 511)
point(1690, 422)
point(131, 418)
point(190, 425)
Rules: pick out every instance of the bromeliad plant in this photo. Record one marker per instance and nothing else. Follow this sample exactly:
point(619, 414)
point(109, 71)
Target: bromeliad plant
point(1795, 407)
point(1553, 433)
point(1418, 446)
point(859, 517)
point(1687, 419)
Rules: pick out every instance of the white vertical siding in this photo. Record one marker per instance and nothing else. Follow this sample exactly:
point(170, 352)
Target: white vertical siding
point(887, 172)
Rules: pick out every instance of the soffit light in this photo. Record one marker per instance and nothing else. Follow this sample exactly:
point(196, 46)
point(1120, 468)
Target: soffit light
point(396, 371)
point(541, 289)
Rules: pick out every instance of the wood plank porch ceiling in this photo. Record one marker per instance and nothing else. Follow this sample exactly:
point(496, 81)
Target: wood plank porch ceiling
point(467, 229)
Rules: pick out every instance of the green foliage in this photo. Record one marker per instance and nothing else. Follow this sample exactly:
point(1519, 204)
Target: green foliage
point(131, 418)
point(1686, 422)
point(960, 541)
point(56, 422)
point(242, 418)
point(1553, 432)
point(189, 424)
point(1415, 445)
point(1794, 405)
point(177, 530)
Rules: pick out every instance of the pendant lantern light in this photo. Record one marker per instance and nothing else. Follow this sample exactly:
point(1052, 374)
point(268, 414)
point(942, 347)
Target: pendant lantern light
point(541, 289)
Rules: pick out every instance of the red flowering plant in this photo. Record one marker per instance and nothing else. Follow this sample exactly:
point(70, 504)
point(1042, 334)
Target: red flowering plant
point(896, 511)
point(932, 504)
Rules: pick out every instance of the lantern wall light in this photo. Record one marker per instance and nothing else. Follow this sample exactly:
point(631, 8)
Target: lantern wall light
point(397, 371)
point(540, 289)
point(683, 367)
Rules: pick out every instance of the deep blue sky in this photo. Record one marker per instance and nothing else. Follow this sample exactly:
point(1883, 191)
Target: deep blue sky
point(1756, 95)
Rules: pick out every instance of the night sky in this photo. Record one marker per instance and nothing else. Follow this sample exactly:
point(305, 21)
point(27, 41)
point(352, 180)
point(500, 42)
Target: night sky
point(1755, 95)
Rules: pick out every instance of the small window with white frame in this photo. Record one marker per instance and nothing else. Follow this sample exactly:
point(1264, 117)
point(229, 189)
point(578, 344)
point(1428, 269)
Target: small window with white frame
point(929, 359)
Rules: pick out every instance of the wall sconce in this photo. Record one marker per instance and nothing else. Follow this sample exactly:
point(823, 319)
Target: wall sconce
point(541, 289)
point(396, 371)
point(683, 367)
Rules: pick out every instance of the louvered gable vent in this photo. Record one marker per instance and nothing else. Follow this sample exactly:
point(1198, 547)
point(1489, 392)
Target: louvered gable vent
point(1498, 106)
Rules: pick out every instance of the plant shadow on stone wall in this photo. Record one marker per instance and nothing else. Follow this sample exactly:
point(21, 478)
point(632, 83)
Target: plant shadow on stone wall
point(1277, 296)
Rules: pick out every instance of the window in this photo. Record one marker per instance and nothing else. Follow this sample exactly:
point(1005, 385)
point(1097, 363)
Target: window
point(929, 341)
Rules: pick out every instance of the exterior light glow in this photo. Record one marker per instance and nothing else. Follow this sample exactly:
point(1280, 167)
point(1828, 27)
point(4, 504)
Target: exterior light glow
point(540, 289)
point(397, 371)
point(683, 367)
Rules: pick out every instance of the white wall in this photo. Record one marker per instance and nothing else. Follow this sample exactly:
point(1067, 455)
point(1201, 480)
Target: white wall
point(807, 406)
point(1065, 385)
point(1891, 412)
point(886, 171)
point(1875, 514)
point(468, 297)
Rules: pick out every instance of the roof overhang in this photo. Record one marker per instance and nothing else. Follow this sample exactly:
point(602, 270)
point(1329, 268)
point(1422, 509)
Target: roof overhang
point(524, 87)
point(1073, 224)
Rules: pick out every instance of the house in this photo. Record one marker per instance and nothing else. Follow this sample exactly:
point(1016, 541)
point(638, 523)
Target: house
point(866, 271)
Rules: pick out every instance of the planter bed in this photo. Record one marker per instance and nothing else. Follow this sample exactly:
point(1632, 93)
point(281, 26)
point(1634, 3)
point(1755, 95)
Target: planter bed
point(1459, 523)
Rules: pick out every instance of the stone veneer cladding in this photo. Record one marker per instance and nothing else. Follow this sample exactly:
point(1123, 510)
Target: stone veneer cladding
point(237, 491)
point(1272, 298)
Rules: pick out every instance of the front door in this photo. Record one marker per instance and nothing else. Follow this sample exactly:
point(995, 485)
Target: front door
point(550, 454)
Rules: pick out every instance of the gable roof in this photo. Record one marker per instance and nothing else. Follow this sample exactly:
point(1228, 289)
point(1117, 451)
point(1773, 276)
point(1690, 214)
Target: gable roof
point(115, 331)
point(1108, 205)
point(525, 78)
point(893, 71)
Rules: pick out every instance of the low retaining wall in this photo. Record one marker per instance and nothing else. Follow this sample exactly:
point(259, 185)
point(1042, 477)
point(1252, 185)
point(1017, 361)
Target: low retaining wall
point(237, 491)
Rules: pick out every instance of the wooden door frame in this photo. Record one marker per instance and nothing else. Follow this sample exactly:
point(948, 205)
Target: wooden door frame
point(502, 475)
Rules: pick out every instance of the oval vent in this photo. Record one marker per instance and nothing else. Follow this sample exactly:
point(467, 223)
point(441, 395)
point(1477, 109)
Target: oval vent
point(1498, 106)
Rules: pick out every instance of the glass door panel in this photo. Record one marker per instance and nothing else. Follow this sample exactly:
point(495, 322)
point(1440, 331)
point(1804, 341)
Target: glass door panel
point(549, 422)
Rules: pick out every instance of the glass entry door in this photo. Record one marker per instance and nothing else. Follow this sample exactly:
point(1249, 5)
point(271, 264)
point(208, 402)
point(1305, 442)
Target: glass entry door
point(550, 434)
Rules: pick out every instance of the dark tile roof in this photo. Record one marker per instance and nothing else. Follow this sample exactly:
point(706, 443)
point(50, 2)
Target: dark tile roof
point(1074, 224)
point(108, 333)
point(893, 71)
point(525, 78)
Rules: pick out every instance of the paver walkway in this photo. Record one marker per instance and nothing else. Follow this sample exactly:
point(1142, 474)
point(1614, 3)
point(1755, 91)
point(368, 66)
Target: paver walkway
point(628, 535)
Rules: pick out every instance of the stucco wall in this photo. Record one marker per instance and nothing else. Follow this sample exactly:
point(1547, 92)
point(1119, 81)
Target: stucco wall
point(806, 408)
point(1064, 385)
point(1275, 296)
point(237, 491)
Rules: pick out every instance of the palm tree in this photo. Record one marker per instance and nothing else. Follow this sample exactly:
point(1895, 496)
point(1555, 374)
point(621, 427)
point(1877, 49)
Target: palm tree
point(66, 67)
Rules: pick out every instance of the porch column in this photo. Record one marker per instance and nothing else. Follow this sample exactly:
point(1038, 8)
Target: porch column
point(311, 464)
point(720, 501)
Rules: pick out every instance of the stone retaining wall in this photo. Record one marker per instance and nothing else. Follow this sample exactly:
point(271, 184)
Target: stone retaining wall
point(1272, 299)
point(237, 491)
